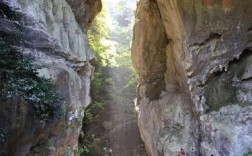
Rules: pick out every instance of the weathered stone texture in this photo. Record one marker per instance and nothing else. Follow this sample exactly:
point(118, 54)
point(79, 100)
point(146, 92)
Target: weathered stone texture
point(52, 35)
point(85, 11)
point(193, 60)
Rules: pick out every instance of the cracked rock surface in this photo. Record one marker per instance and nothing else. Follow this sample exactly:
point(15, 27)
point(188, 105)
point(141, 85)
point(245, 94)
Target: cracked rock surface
point(54, 37)
point(193, 60)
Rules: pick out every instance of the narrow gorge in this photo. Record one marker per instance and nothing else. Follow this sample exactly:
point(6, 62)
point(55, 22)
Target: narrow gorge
point(67, 86)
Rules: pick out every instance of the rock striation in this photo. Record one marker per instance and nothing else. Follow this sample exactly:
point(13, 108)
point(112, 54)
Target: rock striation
point(54, 37)
point(194, 65)
point(85, 11)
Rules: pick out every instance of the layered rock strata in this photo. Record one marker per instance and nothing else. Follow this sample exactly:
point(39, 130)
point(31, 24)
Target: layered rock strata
point(53, 36)
point(194, 65)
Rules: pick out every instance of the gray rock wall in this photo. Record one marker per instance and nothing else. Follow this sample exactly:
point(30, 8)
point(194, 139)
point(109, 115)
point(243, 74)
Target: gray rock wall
point(193, 60)
point(52, 35)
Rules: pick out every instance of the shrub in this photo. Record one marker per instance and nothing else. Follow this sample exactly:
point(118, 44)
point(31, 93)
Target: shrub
point(19, 78)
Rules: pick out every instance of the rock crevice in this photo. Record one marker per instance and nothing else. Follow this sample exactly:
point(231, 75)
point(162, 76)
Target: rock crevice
point(195, 45)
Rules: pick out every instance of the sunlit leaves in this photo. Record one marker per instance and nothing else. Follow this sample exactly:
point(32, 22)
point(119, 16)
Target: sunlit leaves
point(114, 75)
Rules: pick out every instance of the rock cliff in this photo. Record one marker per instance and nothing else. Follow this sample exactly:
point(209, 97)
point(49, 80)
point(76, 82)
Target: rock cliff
point(194, 65)
point(53, 36)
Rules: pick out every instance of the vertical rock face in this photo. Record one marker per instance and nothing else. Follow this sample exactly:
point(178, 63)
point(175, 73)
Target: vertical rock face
point(194, 66)
point(85, 10)
point(52, 35)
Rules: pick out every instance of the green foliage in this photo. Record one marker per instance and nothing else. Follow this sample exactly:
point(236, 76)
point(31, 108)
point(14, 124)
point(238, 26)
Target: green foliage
point(111, 46)
point(43, 147)
point(84, 149)
point(91, 110)
point(96, 83)
point(90, 116)
point(248, 154)
point(19, 78)
point(114, 76)
point(97, 33)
